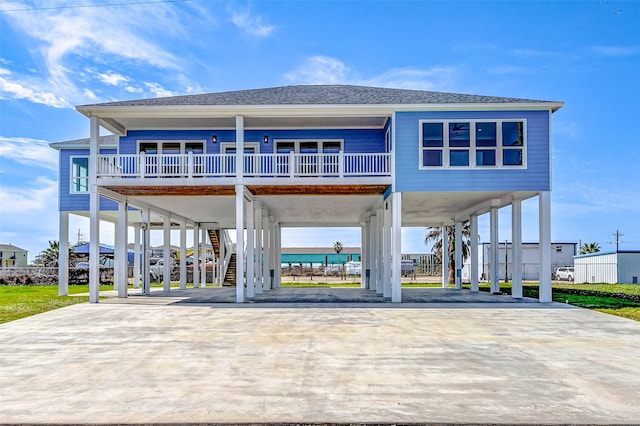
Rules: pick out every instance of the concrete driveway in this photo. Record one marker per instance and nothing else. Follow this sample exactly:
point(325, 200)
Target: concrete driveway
point(168, 360)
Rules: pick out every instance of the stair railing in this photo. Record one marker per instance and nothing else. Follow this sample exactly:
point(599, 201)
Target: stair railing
point(228, 249)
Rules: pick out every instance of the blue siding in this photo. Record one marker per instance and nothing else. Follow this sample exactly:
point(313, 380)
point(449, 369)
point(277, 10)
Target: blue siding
point(409, 177)
point(77, 202)
point(365, 140)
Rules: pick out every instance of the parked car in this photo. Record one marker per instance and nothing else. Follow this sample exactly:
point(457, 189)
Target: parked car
point(564, 273)
point(157, 269)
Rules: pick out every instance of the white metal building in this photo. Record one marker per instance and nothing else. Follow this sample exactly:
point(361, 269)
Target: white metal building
point(622, 267)
point(562, 254)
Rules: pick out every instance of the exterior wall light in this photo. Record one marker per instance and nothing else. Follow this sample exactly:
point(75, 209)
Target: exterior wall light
point(214, 139)
point(266, 139)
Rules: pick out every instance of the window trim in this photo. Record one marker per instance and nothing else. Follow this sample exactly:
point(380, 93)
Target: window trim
point(446, 149)
point(224, 146)
point(72, 177)
point(297, 143)
point(182, 143)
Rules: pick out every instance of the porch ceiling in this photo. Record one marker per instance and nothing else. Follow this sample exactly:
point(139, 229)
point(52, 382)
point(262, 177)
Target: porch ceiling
point(331, 208)
point(436, 208)
point(119, 124)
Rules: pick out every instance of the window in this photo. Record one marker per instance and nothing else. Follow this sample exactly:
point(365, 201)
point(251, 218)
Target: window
point(472, 143)
point(79, 174)
point(314, 156)
point(167, 158)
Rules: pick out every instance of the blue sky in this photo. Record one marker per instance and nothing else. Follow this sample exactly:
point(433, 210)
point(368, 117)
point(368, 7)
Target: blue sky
point(55, 54)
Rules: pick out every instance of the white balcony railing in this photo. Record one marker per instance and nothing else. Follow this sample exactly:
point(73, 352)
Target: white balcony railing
point(255, 165)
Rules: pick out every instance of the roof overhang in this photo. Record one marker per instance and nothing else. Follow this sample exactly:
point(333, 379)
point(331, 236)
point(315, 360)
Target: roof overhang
point(120, 119)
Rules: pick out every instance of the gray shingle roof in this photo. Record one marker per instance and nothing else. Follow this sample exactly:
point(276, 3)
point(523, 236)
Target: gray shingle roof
point(108, 140)
point(318, 95)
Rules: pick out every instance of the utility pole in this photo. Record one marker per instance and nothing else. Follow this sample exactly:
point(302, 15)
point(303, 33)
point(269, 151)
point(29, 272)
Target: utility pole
point(79, 236)
point(618, 235)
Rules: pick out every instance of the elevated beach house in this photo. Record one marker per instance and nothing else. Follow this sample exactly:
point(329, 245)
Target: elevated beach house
point(254, 161)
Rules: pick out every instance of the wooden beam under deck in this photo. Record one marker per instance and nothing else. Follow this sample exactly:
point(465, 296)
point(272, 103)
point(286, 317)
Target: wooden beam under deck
point(173, 190)
point(259, 190)
point(318, 189)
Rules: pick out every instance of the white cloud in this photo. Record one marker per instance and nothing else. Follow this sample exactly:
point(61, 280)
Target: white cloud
point(252, 24)
point(320, 70)
point(614, 50)
point(90, 94)
point(31, 91)
point(30, 152)
point(327, 70)
point(28, 214)
point(65, 36)
point(158, 90)
point(436, 78)
point(132, 89)
point(112, 78)
point(29, 201)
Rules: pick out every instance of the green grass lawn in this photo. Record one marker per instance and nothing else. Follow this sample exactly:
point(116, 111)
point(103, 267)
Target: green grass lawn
point(22, 301)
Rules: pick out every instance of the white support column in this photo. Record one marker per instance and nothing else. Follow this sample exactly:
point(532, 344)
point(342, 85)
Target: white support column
point(239, 242)
point(373, 250)
point(239, 149)
point(166, 253)
point(444, 230)
point(386, 241)
point(474, 252)
point(63, 255)
point(544, 230)
point(203, 250)
point(250, 250)
point(396, 247)
point(196, 256)
point(121, 266)
point(516, 249)
point(266, 283)
point(380, 252)
point(146, 259)
point(183, 255)
point(458, 255)
point(136, 256)
point(364, 242)
point(278, 256)
point(494, 264)
point(94, 212)
point(258, 225)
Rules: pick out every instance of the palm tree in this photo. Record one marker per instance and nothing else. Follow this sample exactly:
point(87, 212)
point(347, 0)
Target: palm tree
point(337, 247)
point(49, 256)
point(435, 235)
point(587, 248)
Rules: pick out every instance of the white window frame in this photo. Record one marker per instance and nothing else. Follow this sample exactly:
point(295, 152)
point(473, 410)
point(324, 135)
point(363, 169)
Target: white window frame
point(182, 143)
point(499, 148)
point(297, 143)
point(73, 178)
point(226, 145)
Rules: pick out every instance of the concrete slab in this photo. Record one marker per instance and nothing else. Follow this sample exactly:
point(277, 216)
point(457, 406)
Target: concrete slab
point(164, 359)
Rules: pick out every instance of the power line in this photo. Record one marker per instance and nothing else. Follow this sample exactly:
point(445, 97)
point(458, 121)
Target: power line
point(79, 6)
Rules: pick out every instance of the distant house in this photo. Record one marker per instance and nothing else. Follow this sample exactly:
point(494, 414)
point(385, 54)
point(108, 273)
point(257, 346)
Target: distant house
point(621, 267)
point(255, 161)
point(561, 255)
point(11, 255)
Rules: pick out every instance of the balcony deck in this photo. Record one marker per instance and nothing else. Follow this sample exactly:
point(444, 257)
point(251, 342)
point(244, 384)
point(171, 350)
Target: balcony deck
point(280, 166)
